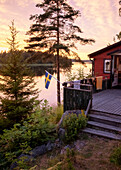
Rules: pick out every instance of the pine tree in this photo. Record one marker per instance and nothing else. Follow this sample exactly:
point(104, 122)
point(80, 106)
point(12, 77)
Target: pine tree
point(17, 85)
point(117, 37)
point(54, 31)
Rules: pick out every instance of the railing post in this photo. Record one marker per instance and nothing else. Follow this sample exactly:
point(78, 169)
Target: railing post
point(106, 84)
point(64, 84)
point(64, 99)
point(91, 88)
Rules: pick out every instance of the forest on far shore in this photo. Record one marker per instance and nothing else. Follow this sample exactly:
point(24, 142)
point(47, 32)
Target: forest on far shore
point(33, 57)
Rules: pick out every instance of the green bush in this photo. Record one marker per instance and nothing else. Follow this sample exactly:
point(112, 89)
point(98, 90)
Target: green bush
point(4, 123)
point(116, 156)
point(72, 125)
point(36, 130)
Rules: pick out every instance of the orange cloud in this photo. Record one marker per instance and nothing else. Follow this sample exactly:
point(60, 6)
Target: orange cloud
point(99, 20)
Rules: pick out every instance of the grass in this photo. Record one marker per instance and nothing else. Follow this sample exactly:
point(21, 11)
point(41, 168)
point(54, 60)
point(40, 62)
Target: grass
point(93, 155)
point(57, 113)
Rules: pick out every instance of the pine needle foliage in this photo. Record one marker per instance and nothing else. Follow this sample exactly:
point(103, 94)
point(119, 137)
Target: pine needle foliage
point(54, 31)
point(17, 86)
point(55, 16)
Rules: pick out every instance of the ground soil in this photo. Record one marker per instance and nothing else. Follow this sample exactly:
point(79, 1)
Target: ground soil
point(91, 153)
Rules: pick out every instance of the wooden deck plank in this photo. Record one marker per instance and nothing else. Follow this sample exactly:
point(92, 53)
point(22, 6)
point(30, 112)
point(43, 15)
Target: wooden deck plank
point(107, 101)
point(108, 109)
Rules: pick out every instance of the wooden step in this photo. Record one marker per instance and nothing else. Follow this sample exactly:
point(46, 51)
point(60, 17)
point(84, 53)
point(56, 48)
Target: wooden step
point(105, 119)
point(113, 115)
point(102, 133)
point(109, 128)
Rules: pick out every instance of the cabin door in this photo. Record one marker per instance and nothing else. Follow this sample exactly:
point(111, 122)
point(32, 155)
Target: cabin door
point(119, 70)
point(115, 61)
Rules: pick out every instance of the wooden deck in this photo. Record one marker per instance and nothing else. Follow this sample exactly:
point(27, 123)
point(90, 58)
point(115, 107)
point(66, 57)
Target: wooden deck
point(107, 101)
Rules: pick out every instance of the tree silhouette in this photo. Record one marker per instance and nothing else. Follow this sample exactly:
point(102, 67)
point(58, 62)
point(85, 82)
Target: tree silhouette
point(17, 86)
point(117, 37)
point(54, 30)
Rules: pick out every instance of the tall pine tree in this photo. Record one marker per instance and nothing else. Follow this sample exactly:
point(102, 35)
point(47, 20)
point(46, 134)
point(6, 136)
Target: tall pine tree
point(53, 30)
point(16, 85)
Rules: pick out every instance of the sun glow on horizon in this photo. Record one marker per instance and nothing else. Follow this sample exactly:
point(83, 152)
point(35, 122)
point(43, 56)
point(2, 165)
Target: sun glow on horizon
point(99, 21)
point(3, 49)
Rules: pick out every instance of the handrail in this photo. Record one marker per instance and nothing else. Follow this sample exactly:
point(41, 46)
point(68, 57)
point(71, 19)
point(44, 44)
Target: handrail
point(88, 85)
point(78, 89)
point(91, 78)
point(88, 107)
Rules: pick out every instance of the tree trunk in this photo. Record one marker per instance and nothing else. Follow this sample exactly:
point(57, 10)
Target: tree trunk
point(57, 57)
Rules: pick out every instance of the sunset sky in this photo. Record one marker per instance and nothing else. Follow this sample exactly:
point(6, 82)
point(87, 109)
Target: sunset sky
point(99, 20)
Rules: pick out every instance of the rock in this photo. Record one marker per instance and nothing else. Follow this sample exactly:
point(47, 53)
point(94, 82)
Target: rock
point(61, 134)
point(39, 150)
point(50, 146)
point(58, 143)
point(63, 151)
point(24, 158)
point(13, 165)
point(79, 144)
point(67, 146)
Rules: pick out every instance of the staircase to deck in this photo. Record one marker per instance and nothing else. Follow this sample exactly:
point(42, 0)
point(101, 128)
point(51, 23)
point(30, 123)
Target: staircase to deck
point(104, 124)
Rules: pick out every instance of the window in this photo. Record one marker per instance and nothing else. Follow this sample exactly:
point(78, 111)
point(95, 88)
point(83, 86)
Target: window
point(107, 65)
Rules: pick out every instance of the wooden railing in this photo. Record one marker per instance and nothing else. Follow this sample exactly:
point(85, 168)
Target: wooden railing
point(81, 97)
point(85, 83)
point(77, 99)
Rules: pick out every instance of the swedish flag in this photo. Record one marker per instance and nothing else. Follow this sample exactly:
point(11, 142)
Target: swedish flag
point(47, 79)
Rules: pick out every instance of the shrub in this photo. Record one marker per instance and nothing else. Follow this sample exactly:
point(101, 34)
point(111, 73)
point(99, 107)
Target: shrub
point(34, 131)
point(116, 156)
point(72, 125)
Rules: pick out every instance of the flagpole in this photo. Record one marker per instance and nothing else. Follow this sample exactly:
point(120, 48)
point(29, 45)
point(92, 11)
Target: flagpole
point(54, 77)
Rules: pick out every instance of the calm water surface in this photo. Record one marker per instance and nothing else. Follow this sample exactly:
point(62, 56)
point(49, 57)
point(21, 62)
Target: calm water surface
point(50, 94)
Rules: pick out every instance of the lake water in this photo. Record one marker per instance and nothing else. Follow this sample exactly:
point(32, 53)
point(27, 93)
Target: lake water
point(50, 94)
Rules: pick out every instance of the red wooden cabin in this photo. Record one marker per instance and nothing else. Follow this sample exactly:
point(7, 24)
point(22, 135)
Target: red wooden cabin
point(107, 63)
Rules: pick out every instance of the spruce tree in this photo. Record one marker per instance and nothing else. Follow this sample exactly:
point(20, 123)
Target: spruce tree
point(17, 86)
point(54, 31)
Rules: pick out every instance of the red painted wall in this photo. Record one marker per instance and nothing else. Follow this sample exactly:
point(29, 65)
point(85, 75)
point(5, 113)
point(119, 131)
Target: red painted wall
point(99, 62)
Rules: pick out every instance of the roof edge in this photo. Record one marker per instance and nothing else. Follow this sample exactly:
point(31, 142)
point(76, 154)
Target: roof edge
point(91, 55)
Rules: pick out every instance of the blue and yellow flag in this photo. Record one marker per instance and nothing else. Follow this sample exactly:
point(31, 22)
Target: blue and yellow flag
point(47, 79)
